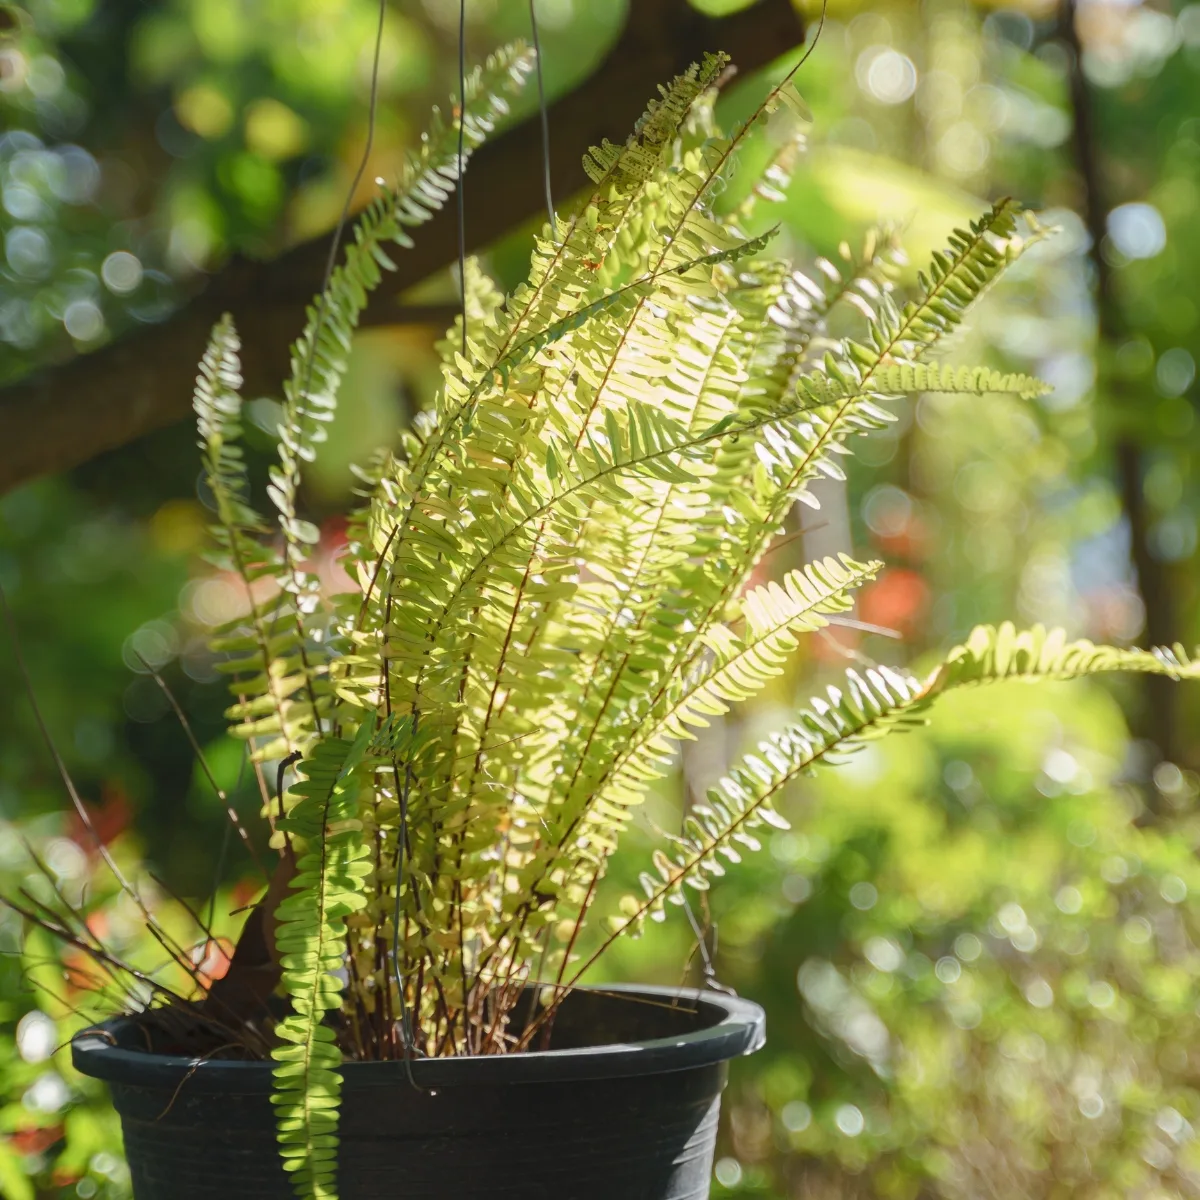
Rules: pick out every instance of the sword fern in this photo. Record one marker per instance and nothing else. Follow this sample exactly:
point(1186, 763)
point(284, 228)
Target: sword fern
point(553, 571)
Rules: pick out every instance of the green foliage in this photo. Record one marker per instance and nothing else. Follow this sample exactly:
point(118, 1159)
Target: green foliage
point(278, 672)
point(258, 655)
point(972, 942)
point(1004, 653)
point(1004, 497)
point(58, 1131)
point(553, 587)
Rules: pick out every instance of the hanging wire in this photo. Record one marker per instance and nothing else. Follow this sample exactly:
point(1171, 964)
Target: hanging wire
point(537, 49)
point(462, 126)
point(816, 38)
point(406, 1032)
point(336, 241)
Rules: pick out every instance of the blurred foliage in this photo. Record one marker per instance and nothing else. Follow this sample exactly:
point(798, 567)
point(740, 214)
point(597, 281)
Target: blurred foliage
point(979, 973)
point(58, 1133)
point(977, 950)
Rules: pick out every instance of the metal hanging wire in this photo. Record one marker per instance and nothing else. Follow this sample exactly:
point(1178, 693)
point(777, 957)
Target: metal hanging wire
point(335, 242)
point(537, 50)
point(462, 126)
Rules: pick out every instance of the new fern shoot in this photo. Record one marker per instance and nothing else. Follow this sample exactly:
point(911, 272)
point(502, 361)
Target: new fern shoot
point(552, 571)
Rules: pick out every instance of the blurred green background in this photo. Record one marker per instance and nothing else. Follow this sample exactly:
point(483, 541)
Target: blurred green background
point(978, 945)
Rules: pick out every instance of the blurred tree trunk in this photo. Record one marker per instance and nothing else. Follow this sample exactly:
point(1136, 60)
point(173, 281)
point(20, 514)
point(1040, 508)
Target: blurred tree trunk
point(1158, 721)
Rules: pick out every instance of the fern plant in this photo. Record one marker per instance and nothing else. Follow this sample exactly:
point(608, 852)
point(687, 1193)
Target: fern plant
point(553, 589)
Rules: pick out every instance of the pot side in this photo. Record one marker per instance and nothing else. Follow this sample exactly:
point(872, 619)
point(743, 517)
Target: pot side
point(623, 1106)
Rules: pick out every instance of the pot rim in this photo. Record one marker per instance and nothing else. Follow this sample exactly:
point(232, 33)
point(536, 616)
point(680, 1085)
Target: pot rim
point(739, 1028)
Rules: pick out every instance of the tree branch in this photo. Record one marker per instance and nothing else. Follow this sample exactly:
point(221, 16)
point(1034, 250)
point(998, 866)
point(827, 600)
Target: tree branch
point(67, 415)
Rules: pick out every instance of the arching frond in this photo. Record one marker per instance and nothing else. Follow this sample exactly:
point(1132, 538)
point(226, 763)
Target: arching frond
point(868, 705)
point(737, 665)
point(1004, 652)
point(253, 651)
point(837, 386)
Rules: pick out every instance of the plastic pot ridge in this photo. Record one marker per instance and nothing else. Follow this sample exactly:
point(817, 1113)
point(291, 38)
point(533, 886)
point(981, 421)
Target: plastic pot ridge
point(623, 1106)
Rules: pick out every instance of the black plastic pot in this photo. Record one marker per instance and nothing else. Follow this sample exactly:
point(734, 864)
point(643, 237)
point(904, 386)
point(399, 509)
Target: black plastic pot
point(623, 1106)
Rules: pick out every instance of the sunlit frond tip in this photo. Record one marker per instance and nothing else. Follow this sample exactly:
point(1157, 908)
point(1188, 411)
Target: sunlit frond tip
point(993, 653)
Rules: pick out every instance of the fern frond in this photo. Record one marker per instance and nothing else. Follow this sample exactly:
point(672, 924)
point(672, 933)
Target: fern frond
point(957, 278)
point(837, 386)
point(736, 667)
point(310, 938)
point(1003, 652)
point(250, 645)
point(616, 303)
point(899, 337)
point(741, 664)
point(871, 704)
point(217, 403)
point(868, 705)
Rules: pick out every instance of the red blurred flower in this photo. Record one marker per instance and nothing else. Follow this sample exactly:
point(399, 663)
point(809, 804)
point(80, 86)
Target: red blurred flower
point(911, 542)
point(897, 600)
point(35, 1140)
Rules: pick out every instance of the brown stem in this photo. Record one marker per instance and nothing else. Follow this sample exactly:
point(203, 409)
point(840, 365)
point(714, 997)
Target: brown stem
point(186, 726)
